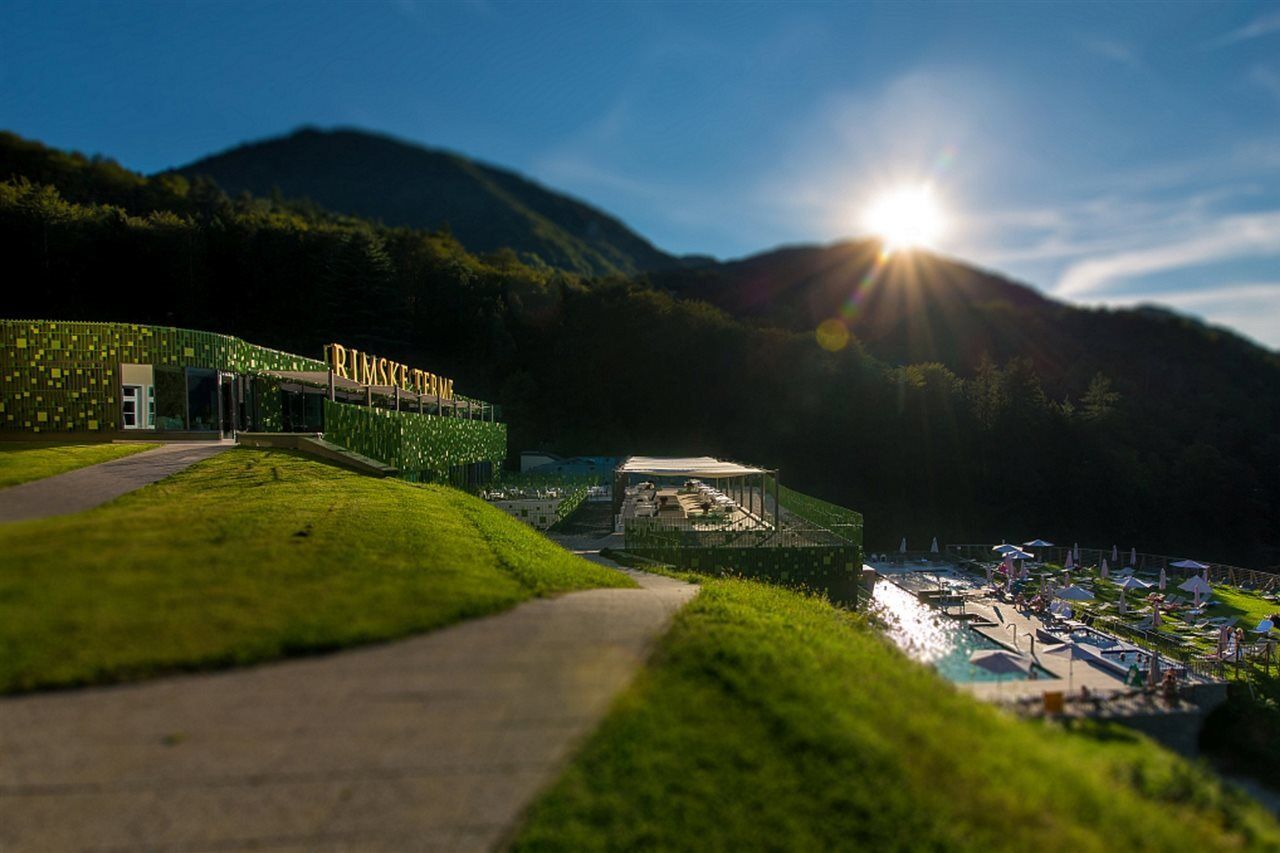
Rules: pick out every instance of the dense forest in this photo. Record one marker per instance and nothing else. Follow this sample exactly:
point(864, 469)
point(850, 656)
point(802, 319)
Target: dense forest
point(1000, 445)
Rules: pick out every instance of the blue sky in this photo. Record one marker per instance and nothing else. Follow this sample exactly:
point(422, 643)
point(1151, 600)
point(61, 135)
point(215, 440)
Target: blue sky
point(1105, 154)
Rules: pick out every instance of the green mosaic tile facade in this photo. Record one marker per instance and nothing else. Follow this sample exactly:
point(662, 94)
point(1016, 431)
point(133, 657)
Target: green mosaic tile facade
point(421, 447)
point(64, 376)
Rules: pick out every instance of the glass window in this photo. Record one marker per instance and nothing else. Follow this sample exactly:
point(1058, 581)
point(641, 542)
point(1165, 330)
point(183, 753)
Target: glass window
point(129, 406)
point(202, 399)
point(170, 399)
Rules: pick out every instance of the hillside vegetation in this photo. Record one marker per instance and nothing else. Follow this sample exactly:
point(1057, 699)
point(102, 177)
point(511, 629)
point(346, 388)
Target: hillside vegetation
point(399, 183)
point(255, 555)
point(769, 720)
point(1078, 425)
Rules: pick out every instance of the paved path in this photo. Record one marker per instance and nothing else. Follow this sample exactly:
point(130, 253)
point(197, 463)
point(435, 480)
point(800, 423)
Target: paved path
point(85, 488)
point(435, 742)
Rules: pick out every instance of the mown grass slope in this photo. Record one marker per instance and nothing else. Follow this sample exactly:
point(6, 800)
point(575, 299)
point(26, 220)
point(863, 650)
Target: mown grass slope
point(23, 461)
point(769, 720)
point(255, 555)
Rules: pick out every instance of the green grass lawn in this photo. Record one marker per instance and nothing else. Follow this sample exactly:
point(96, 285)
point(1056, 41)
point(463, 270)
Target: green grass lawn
point(254, 555)
point(768, 720)
point(23, 461)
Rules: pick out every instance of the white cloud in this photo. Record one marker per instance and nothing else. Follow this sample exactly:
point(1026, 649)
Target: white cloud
point(1116, 51)
point(1227, 238)
point(1257, 28)
point(1266, 78)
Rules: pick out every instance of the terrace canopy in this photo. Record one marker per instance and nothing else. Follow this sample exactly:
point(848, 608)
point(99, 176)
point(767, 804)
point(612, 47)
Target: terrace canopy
point(686, 466)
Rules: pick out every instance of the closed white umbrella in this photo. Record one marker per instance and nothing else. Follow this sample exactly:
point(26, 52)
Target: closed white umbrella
point(1105, 571)
point(1076, 552)
point(902, 548)
point(1133, 556)
point(1153, 678)
point(1164, 580)
point(933, 549)
point(1115, 554)
point(1071, 563)
point(1156, 618)
point(1120, 605)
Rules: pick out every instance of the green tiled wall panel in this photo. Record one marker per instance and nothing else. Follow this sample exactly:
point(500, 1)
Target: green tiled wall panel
point(63, 376)
point(420, 446)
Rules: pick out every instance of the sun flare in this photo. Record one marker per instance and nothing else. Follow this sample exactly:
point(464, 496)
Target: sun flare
point(908, 217)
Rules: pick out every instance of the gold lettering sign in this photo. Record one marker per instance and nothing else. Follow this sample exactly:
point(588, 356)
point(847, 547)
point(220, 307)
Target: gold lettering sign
point(350, 363)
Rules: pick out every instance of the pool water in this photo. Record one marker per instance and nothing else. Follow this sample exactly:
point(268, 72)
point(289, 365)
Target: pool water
point(934, 638)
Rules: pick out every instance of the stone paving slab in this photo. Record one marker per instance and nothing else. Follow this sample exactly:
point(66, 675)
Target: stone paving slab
point(435, 742)
point(85, 488)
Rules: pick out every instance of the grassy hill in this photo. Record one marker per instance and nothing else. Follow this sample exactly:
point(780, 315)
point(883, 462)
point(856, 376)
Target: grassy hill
point(384, 179)
point(256, 555)
point(769, 720)
point(23, 461)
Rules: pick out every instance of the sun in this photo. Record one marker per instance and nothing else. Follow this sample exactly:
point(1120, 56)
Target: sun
point(907, 217)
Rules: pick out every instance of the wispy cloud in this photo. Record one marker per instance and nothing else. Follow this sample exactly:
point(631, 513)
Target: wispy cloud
point(1267, 78)
point(1264, 25)
point(1231, 237)
point(1114, 50)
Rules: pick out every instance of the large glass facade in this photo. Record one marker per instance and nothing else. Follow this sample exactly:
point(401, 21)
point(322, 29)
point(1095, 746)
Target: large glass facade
point(171, 398)
point(202, 400)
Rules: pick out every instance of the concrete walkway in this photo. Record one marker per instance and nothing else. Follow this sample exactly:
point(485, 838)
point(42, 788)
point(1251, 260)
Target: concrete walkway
point(85, 488)
point(435, 742)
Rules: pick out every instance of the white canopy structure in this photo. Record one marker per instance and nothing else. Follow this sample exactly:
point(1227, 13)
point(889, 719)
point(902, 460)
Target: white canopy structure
point(686, 466)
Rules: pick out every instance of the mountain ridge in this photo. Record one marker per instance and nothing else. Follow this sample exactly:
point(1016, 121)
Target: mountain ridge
point(400, 183)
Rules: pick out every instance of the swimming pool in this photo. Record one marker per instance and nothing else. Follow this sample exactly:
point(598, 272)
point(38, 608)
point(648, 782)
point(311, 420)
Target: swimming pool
point(934, 638)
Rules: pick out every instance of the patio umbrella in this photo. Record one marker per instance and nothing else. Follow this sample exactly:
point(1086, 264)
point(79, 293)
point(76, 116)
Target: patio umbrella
point(1154, 677)
point(1133, 556)
point(1019, 554)
point(1037, 543)
point(1072, 653)
point(1120, 605)
point(1076, 593)
point(1104, 571)
point(1071, 563)
point(1075, 552)
point(1189, 564)
point(1156, 618)
point(1164, 580)
point(902, 548)
point(1133, 583)
point(1000, 662)
point(1005, 548)
point(933, 549)
point(1197, 586)
point(1115, 555)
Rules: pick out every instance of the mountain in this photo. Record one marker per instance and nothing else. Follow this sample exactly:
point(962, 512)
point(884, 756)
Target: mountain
point(401, 184)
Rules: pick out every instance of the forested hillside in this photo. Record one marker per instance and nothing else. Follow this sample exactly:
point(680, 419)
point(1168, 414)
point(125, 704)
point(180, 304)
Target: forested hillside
point(1185, 459)
point(397, 183)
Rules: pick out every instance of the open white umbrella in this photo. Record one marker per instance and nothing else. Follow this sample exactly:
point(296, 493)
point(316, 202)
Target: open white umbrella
point(1105, 571)
point(1189, 564)
point(1132, 582)
point(1076, 593)
point(1000, 662)
point(902, 548)
point(933, 549)
point(1037, 543)
point(1072, 653)
point(1164, 579)
point(1004, 548)
point(1018, 554)
point(1197, 586)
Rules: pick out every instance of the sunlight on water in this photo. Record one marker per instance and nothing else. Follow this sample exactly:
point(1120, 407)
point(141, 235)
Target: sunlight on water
point(931, 637)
